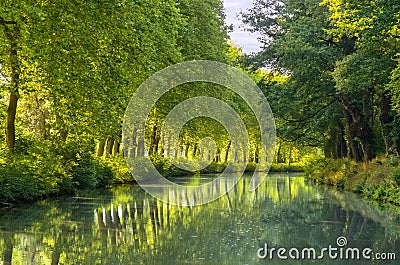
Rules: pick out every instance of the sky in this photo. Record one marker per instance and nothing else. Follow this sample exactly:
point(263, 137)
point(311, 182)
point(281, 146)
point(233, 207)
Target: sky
point(248, 41)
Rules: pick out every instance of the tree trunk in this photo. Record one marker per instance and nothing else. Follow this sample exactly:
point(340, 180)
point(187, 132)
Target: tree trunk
point(11, 31)
point(100, 148)
point(336, 146)
point(157, 142)
point(194, 150)
point(227, 151)
point(386, 119)
point(187, 150)
point(256, 155)
point(134, 149)
point(109, 147)
point(116, 147)
point(140, 151)
point(354, 149)
point(278, 153)
point(41, 132)
point(359, 128)
point(153, 140)
point(169, 147)
point(10, 122)
point(340, 146)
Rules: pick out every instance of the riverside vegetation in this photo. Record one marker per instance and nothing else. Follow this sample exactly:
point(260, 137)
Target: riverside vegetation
point(69, 69)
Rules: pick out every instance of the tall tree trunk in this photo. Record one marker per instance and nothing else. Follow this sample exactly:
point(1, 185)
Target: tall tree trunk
point(227, 151)
point(340, 146)
point(40, 131)
point(354, 148)
point(236, 156)
point(187, 150)
point(153, 140)
point(386, 119)
point(116, 147)
point(157, 141)
point(140, 151)
point(109, 147)
point(11, 31)
point(194, 150)
point(133, 151)
point(359, 128)
point(336, 146)
point(278, 153)
point(10, 122)
point(100, 148)
point(169, 147)
point(256, 154)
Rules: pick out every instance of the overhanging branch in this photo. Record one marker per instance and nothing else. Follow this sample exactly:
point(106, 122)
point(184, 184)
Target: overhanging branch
point(312, 115)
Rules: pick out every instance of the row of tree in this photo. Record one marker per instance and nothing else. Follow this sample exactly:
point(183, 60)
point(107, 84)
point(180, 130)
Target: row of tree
point(341, 58)
point(68, 69)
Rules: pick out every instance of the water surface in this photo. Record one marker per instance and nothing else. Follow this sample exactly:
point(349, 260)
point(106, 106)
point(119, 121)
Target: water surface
point(125, 225)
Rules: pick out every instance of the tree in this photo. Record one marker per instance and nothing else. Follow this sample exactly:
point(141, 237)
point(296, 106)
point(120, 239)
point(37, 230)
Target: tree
point(373, 26)
point(321, 49)
point(12, 33)
point(296, 45)
point(82, 60)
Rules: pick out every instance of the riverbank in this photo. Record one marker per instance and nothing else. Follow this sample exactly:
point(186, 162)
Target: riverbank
point(42, 172)
point(40, 169)
point(377, 180)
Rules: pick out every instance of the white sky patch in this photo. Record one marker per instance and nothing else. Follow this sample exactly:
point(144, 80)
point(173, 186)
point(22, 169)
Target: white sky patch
point(248, 41)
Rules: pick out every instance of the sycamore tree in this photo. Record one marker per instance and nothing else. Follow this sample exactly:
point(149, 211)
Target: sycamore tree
point(374, 27)
point(79, 61)
point(306, 106)
point(338, 70)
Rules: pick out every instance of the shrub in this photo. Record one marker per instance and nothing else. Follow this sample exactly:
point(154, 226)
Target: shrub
point(396, 175)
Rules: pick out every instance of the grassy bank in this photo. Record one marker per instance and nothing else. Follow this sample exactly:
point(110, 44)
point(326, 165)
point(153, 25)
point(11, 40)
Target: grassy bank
point(378, 180)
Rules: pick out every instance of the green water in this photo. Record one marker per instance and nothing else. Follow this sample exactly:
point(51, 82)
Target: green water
point(124, 225)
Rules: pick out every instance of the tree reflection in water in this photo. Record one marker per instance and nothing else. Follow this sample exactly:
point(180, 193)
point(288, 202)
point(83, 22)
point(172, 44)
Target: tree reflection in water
point(124, 225)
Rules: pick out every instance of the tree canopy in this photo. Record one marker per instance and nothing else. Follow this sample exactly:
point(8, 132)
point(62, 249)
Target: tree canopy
point(340, 58)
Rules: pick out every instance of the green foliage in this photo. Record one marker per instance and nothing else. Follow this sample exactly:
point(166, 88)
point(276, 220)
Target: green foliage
point(203, 34)
point(283, 167)
point(333, 172)
point(166, 168)
point(215, 167)
point(114, 169)
point(80, 62)
point(396, 175)
point(386, 193)
point(41, 169)
point(35, 172)
point(90, 173)
point(342, 77)
point(377, 180)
